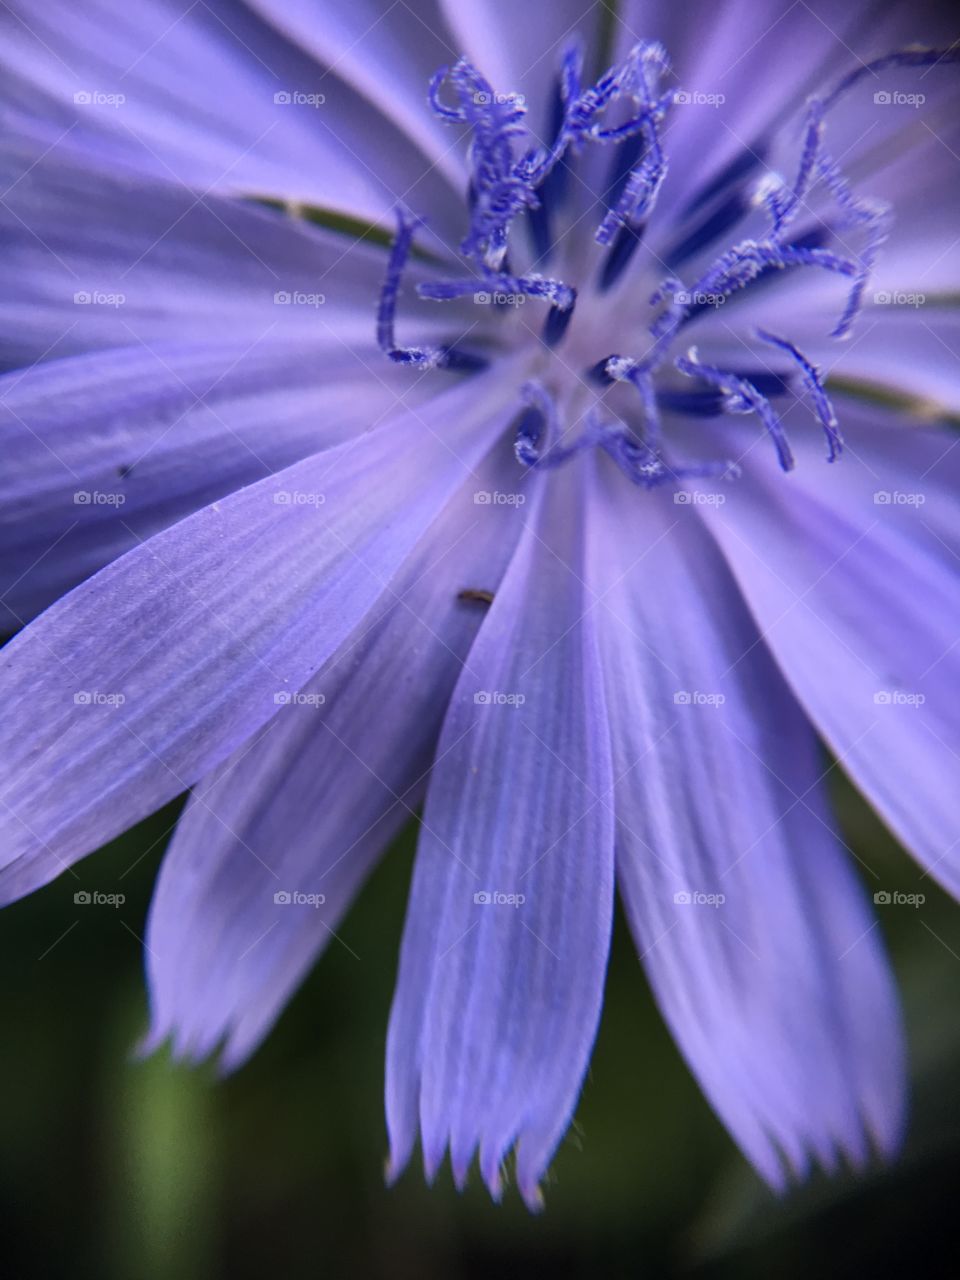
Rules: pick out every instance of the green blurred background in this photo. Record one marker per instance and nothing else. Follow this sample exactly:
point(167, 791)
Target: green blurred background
point(116, 1168)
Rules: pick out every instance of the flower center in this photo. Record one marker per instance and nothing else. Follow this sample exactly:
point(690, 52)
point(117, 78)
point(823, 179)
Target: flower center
point(514, 179)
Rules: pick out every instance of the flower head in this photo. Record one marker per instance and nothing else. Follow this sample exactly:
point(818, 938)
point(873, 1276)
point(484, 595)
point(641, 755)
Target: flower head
point(576, 545)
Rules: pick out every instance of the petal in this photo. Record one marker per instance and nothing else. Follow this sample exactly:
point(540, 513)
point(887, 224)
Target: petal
point(212, 97)
point(747, 71)
point(149, 262)
point(147, 676)
point(519, 52)
point(908, 351)
point(109, 448)
point(389, 53)
point(752, 929)
point(851, 574)
point(505, 945)
point(307, 806)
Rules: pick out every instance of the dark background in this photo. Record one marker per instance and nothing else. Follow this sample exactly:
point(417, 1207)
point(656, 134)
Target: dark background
point(111, 1167)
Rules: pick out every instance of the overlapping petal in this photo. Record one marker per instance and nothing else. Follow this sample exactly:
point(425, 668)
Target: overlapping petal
point(751, 925)
point(851, 574)
point(306, 807)
point(105, 449)
point(208, 622)
point(505, 944)
point(211, 96)
point(147, 261)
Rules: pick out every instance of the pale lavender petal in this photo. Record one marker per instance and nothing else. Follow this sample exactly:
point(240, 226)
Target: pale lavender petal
point(152, 672)
point(520, 51)
point(307, 806)
point(505, 945)
point(751, 926)
point(211, 96)
point(851, 574)
point(389, 53)
point(106, 449)
point(149, 262)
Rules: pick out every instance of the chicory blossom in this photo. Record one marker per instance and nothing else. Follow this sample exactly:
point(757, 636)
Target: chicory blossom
point(464, 409)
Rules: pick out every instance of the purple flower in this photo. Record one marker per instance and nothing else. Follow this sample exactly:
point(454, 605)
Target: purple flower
point(492, 450)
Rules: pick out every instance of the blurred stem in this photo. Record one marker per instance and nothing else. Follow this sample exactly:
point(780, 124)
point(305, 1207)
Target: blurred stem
point(164, 1183)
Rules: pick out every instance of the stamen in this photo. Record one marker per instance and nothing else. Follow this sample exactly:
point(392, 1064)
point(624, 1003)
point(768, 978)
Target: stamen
point(742, 397)
point(622, 369)
point(625, 221)
point(539, 419)
point(441, 357)
point(811, 378)
point(552, 189)
point(500, 189)
point(509, 178)
point(626, 158)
